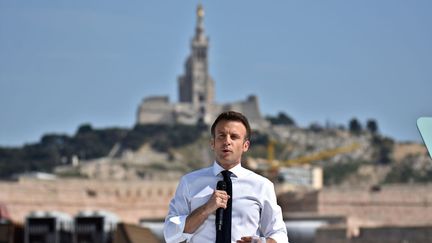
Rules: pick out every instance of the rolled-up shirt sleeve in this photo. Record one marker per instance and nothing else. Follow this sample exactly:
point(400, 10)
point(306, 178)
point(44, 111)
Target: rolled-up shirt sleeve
point(179, 209)
point(272, 224)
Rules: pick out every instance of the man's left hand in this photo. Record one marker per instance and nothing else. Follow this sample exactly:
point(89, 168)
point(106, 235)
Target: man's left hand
point(249, 239)
point(255, 239)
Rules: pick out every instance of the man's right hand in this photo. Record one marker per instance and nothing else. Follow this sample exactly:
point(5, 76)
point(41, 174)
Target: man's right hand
point(218, 199)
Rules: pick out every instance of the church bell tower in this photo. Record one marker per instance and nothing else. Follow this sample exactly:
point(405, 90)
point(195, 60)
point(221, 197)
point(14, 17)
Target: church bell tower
point(195, 85)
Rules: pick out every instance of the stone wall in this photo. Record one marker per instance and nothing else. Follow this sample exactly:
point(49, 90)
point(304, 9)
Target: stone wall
point(387, 214)
point(389, 234)
point(129, 200)
point(394, 235)
point(156, 109)
point(299, 201)
point(387, 205)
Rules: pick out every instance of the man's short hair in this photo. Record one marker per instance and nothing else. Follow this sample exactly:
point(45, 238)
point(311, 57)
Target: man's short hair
point(232, 116)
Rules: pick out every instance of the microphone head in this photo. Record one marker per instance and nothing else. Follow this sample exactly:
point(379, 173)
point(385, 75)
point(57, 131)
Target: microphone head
point(221, 185)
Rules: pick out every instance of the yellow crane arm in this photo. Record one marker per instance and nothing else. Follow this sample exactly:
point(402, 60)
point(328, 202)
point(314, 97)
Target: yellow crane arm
point(325, 154)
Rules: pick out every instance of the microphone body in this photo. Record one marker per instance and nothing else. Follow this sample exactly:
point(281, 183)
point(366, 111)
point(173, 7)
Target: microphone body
point(221, 185)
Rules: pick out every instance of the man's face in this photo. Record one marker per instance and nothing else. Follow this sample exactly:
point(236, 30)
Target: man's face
point(229, 143)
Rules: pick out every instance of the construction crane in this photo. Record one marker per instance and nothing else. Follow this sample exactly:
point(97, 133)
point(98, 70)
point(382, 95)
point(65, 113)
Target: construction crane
point(306, 159)
point(297, 176)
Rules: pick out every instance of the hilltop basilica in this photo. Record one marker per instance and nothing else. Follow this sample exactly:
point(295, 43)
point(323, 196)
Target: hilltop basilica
point(196, 93)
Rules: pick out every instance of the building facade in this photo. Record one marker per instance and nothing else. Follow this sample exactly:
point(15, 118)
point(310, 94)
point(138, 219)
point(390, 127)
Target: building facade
point(196, 92)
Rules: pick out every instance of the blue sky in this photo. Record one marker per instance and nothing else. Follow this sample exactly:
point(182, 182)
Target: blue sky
point(65, 63)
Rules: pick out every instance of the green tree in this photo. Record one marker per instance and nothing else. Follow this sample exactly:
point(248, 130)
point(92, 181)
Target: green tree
point(372, 126)
point(84, 128)
point(383, 149)
point(281, 119)
point(355, 126)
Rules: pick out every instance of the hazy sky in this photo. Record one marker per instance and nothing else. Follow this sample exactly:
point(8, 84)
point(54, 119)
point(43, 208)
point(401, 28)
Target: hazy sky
point(65, 63)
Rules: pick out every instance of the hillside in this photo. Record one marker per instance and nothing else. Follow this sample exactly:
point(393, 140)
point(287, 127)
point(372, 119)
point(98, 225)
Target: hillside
point(165, 152)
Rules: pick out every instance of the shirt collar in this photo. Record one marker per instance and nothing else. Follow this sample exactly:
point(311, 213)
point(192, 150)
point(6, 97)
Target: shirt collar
point(237, 170)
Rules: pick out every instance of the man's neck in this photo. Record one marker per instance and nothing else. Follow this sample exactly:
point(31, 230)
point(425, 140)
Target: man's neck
point(227, 167)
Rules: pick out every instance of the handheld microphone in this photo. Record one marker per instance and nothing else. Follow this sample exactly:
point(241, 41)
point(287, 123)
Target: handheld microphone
point(221, 185)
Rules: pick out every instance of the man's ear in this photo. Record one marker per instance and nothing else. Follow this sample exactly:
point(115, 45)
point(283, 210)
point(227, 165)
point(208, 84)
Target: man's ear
point(212, 144)
point(246, 145)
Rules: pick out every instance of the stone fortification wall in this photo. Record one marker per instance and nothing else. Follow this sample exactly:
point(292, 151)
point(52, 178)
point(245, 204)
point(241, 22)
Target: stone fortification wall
point(388, 205)
point(387, 214)
point(158, 110)
point(155, 109)
point(129, 200)
point(421, 234)
point(299, 201)
point(250, 108)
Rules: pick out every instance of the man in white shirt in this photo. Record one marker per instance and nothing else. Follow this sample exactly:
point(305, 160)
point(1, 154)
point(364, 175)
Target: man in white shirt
point(255, 213)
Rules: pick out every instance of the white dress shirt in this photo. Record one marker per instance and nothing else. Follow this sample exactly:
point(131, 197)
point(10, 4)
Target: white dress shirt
point(254, 208)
